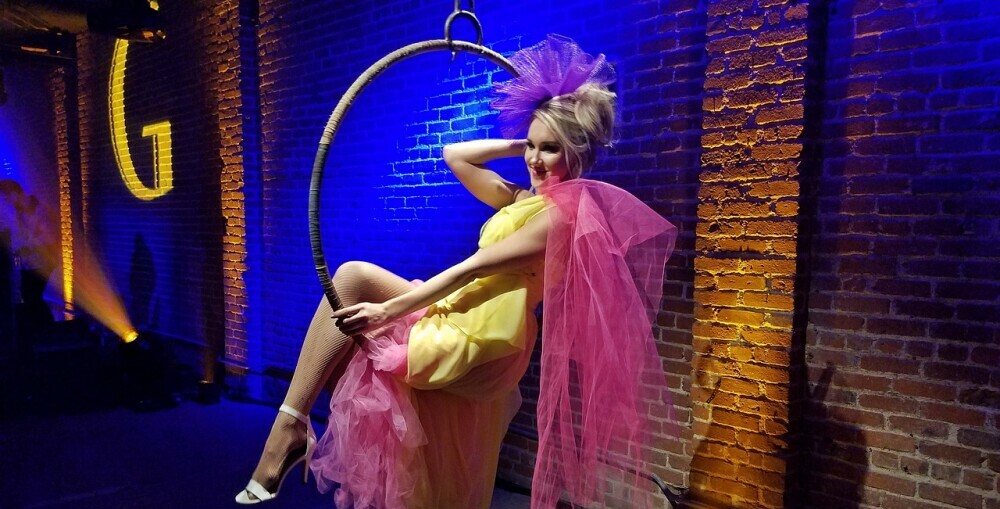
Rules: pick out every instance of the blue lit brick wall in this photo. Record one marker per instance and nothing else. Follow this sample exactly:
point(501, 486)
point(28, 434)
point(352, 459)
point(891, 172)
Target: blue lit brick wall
point(904, 318)
point(26, 156)
point(30, 158)
point(388, 192)
point(252, 184)
point(163, 257)
point(899, 205)
point(389, 198)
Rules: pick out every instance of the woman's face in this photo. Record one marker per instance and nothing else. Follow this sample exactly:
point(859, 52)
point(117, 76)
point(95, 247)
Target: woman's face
point(544, 156)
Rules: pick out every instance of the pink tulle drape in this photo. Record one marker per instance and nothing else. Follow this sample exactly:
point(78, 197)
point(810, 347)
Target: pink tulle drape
point(601, 372)
point(372, 447)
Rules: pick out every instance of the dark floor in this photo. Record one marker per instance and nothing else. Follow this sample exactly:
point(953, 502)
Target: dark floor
point(191, 456)
point(68, 441)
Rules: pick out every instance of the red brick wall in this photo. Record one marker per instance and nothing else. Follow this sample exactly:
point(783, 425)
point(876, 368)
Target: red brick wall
point(904, 325)
point(225, 50)
point(746, 259)
point(664, 97)
point(867, 211)
point(61, 84)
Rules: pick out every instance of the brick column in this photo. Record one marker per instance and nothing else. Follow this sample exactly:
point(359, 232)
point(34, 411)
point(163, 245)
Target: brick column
point(746, 250)
point(224, 48)
point(58, 87)
point(88, 108)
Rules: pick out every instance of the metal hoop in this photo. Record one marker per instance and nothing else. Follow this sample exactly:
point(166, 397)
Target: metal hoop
point(332, 125)
point(672, 493)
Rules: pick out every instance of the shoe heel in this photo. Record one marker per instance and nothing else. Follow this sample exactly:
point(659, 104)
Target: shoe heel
point(254, 493)
point(310, 448)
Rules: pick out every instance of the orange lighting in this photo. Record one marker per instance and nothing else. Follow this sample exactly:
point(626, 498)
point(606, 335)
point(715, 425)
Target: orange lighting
point(90, 287)
point(130, 336)
point(95, 296)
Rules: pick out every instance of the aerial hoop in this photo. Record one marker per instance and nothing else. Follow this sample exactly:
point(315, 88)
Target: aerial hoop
point(332, 125)
point(672, 493)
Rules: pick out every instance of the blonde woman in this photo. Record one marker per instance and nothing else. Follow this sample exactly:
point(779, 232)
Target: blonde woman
point(421, 407)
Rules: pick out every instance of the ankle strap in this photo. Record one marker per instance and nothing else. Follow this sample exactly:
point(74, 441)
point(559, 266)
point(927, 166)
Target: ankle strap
point(294, 413)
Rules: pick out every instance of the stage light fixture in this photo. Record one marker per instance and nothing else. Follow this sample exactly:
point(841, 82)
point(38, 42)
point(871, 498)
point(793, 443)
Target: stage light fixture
point(130, 336)
point(133, 20)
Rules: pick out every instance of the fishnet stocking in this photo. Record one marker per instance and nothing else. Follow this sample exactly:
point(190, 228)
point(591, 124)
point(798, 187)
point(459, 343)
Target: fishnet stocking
point(322, 360)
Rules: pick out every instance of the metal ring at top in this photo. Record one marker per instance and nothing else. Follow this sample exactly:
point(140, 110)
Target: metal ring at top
point(332, 125)
point(463, 14)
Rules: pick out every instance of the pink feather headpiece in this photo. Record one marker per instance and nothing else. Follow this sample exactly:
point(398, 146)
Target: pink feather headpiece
point(554, 67)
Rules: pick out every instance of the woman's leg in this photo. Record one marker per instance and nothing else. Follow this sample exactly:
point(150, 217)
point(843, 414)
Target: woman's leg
point(325, 348)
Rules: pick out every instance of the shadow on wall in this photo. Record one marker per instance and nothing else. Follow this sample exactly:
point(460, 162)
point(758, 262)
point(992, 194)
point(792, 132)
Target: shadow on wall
point(704, 491)
point(142, 286)
point(211, 313)
point(828, 461)
point(827, 435)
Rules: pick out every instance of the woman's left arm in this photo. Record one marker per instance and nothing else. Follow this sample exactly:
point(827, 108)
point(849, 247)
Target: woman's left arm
point(517, 250)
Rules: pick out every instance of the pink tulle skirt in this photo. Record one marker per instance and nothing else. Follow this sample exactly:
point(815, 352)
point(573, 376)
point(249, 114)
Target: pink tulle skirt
point(371, 447)
point(389, 446)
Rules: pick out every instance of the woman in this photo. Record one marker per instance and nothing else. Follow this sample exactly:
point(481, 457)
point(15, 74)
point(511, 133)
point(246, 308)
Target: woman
point(422, 406)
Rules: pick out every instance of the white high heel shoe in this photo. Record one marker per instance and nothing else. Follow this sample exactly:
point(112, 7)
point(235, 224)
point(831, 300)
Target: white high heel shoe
point(256, 493)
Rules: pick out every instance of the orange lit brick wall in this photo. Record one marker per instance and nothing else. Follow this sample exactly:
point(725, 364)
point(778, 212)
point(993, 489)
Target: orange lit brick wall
point(91, 94)
point(904, 308)
point(829, 327)
point(64, 161)
point(224, 54)
point(746, 251)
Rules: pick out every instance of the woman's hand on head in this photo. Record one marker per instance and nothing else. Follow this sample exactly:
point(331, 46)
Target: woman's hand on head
point(467, 161)
point(361, 318)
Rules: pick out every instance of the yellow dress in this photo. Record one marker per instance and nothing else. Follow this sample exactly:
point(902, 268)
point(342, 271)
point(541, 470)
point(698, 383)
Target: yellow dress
point(418, 418)
point(488, 319)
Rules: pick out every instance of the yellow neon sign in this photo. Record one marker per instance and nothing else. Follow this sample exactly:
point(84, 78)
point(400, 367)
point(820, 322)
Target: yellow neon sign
point(163, 175)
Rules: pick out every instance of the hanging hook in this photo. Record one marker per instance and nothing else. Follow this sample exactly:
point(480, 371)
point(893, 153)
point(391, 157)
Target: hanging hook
point(470, 14)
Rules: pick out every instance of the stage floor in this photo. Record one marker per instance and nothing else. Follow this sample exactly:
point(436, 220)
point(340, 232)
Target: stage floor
point(191, 456)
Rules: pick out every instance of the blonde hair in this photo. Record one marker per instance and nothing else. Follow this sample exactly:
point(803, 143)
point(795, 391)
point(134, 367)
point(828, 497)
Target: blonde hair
point(582, 123)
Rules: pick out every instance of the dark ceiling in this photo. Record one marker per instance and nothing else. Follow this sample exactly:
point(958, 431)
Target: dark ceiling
point(48, 28)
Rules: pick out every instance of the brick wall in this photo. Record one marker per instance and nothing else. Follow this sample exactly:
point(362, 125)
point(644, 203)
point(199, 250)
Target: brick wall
point(27, 122)
point(163, 256)
point(747, 251)
point(904, 325)
point(850, 232)
point(388, 193)
point(62, 81)
point(226, 47)
point(252, 184)
point(661, 131)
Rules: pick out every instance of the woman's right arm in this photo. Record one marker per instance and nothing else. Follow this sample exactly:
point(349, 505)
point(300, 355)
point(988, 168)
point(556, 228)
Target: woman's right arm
point(467, 161)
point(517, 250)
